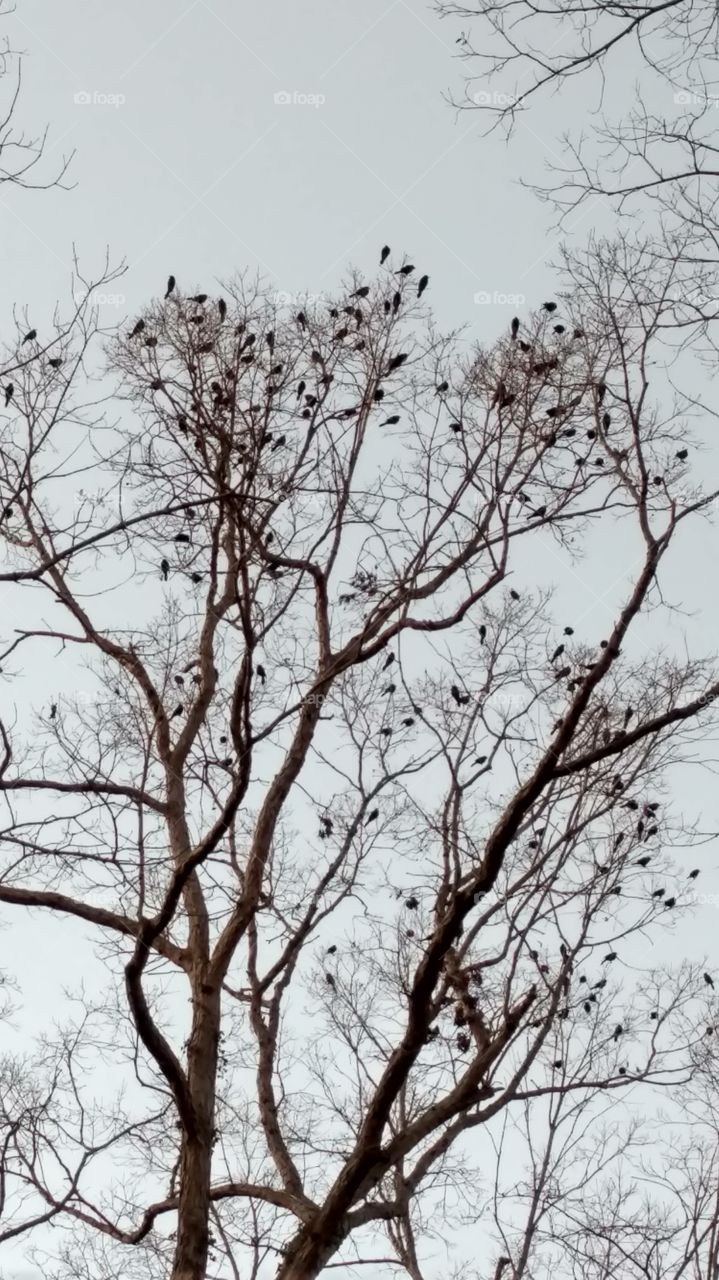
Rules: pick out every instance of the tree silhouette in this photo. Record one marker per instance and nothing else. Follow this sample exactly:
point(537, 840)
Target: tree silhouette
point(349, 924)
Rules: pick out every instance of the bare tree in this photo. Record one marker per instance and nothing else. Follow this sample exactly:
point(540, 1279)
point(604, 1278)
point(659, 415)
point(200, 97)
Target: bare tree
point(360, 832)
point(656, 158)
point(20, 153)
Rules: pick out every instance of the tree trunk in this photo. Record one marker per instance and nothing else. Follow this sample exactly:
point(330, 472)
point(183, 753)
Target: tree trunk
point(195, 1175)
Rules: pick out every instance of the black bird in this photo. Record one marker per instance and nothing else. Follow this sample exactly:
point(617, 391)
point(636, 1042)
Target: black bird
point(392, 421)
point(423, 282)
point(643, 862)
point(618, 1031)
point(9, 392)
point(330, 981)
point(682, 455)
point(388, 661)
point(557, 652)
point(331, 951)
point(514, 327)
point(587, 1007)
point(408, 722)
point(525, 347)
point(171, 282)
point(412, 903)
point(709, 980)
point(622, 1071)
point(569, 631)
point(384, 255)
point(279, 442)
point(396, 303)
point(599, 986)
point(300, 388)
point(405, 271)
point(628, 715)
point(222, 308)
point(29, 337)
point(610, 957)
point(460, 698)
point(463, 1042)
point(693, 874)
point(549, 307)
point(606, 421)
point(138, 328)
point(362, 292)
point(514, 594)
point(55, 362)
point(391, 688)
point(653, 1016)
point(165, 568)
point(559, 328)
point(372, 817)
point(482, 633)
point(53, 711)
point(440, 390)
point(659, 893)
point(199, 298)
point(177, 712)
point(670, 902)
point(578, 333)
point(261, 672)
point(301, 319)
point(396, 362)
point(181, 684)
point(196, 577)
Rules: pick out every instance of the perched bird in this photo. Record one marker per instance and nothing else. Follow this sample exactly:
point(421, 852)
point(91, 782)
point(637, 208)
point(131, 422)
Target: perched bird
point(549, 307)
point(482, 633)
point(171, 282)
point(330, 981)
point(372, 817)
point(181, 537)
point(412, 903)
point(396, 303)
point(384, 255)
point(441, 388)
point(569, 631)
point(514, 327)
point(388, 661)
point(301, 319)
point(391, 421)
point(559, 328)
point(29, 337)
point(682, 455)
point(557, 652)
point(177, 712)
point(391, 688)
point(709, 980)
point(463, 1042)
point(55, 362)
point(587, 1007)
point(362, 292)
point(405, 271)
point(643, 862)
point(331, 950)
point(165, 569)
point(670, 902)
point(9, 392)
point(138, 328)
point(396, 362)
point(693, 874)
point(628, 715)
point(659, 893)
point(181, 684)
point(606, 421)
point(610, 957)
point(460, 698)
point(199, 298)
point(301, 388)
point(222, 308)
point(53, 710)
point(408, 722)
point(514, 594)
point(261, 672)
point(618, 1031)
point(423, 282)
point(599, 986)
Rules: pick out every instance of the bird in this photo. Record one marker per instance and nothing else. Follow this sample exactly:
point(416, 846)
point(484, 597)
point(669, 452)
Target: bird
point(391, 688)
point(610, 957)
point(618, 1031)
point(709, 980)
point(482, 633)
point(460, 698)
point(622, 1071)
point(222, 308)
point(195, 577)
point(549, 307)
point(578, 333)
point(514, 327)
point(330, 981)
point(587, 1007)
point(659, 893)
point(165, 569)
point(181, 537)
point(9, 392)
point(412, 903)
point(396, 362)
point(643, 862)
point(606, 421)
point(682, 455)
point(670, 902)
point(55, 362)
point(177, 712)
point(29, 337)
point(301, 319)
point(261, 672)
point(372, 817)
point(171, 282)
point(405, 271)
point(441, 388)
point(388, 661)
point(463, 1042)
point(408, 722)
point(362, 292)
point(53, 710)
point(384, 255)
point(557, 652)
point(391, 421)
point(181, 684)
point(423, 282)
point(569, 631)
point(599, 986)
point(514, 594)
point(628, 715)
point(693, 874)
point(199, 298)
point(559, 328)
point(138, 328)
point(331, 950)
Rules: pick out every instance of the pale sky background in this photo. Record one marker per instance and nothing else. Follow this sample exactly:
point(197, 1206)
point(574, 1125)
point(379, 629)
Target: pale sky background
point(197, 170)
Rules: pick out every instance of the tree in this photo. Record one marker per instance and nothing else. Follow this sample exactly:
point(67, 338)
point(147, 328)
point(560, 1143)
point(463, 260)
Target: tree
point(358, 827)
point(19, 152)
point(655, 159)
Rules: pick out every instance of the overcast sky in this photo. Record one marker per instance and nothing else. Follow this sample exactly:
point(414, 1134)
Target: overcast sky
point(187, 162)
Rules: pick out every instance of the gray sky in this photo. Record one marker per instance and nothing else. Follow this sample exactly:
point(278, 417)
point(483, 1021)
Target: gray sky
point(186, 164)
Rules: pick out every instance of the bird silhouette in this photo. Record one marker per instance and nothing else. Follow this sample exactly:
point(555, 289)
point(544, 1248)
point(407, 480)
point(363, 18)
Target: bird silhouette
point(396, 362)
point(222, 308)
point(659, 893)
point(408, 722)
point(53, 710)
point(301, 319)
point(610, 957)
point(670, 902)
point(460, 698)
point(643, 862)
point(549, 307)
point(441, 388)
point(514, 327)
point(384, 255)
point(261, 672)
point(55, 362)
point(559, 328)
point(330, 981)
point(405, 271)
point(682, 455)
point(199, 298)
point(709, 980)
point(525, 347)
point(372, 817)
point(693, 874)
point(29, 337)
point(391, 421)
point(138, 328)
point(482, 633)
point(569, 631)
point(412, 903)
point(165, 569)
point(618, 1031)
point(362, 292)
point(9, 392)
point(423, 282)
point(388, 661)
point(171, 282)
point(514, 594)
point(557, 652)
point(177, 712)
